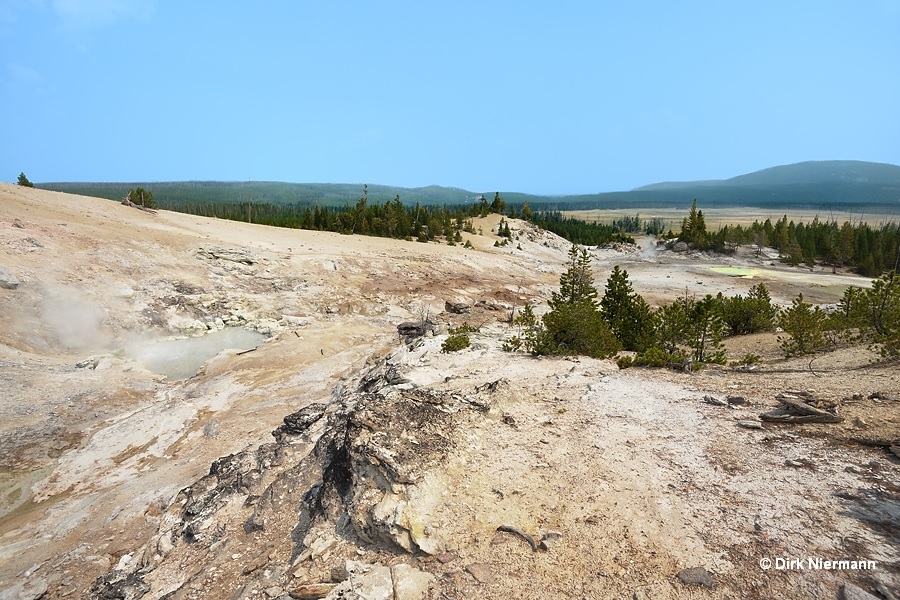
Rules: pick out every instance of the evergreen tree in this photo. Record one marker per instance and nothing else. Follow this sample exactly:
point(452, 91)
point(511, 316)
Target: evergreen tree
point(805, 327)
point(752, 313)
point(672, 325)
point(141, 197)
point(499, 204)
point(527, 213)
point(693, 228)
point(705, 331)
point(23, 181)
point(574, 324)
point(629, 317)
point(883, 305)
point(576, 284)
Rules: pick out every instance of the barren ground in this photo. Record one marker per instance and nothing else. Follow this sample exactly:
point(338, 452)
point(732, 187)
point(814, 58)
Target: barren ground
point(640, 477)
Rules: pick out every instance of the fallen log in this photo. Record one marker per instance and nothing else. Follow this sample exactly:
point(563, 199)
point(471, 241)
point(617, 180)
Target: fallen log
point(795, 410)
point(890, 445)
point(128, 202)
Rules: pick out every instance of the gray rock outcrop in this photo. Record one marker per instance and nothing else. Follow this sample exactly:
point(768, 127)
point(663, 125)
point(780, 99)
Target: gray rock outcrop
point(339, 473)
point(7, 279)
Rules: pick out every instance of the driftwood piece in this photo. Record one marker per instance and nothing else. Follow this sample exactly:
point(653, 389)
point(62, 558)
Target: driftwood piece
point(890, 445)
point(521, 534)
point(794, 410)
point(128, 202)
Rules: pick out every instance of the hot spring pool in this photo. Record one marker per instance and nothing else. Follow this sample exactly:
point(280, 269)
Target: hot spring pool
point(182, 358)
point(745, 272)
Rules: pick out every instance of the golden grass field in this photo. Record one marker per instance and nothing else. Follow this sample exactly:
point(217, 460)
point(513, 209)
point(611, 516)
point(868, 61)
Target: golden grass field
point(717, 218)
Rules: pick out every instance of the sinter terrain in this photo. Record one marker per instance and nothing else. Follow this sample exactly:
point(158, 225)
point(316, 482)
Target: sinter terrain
point(329, 456)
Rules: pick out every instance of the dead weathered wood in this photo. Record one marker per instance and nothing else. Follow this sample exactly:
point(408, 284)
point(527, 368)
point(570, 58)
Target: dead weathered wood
point(245, 351)
point(128, 202)
point(891, 445)
point(795, 410)
point(521, 534)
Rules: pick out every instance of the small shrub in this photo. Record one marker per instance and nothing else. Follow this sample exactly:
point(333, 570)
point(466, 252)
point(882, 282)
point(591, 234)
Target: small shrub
point(805, 325)
point(455, 342)
point(512, 344)
point(468, 244)
point(23, 181)
point(747, 360)
point(752, 313)
point(464, 328)
point(624, 362)
point(658, 358)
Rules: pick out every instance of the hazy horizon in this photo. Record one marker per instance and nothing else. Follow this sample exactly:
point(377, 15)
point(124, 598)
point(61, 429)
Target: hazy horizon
point(574, 98)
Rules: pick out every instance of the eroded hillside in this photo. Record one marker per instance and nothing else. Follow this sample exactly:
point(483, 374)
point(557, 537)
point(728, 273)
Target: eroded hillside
point(393, 465)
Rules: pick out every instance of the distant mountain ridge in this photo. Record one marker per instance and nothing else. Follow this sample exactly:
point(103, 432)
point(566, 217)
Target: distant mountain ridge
point(803, 173)
point(837, 185)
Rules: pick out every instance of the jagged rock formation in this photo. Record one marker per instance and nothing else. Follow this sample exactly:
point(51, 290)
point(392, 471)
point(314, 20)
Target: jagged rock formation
point(345, 471)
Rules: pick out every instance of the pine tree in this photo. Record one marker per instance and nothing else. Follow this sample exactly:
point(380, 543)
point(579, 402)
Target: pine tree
point(883, 303)
point(527, 213)
point(574, 324)
point(23, 181)
point(671, 326)
point(693, 228)
point(499, 204)
point(576, 284)
point(805, 327)
point(629, 317)
point(141, 197)
point(706, 331)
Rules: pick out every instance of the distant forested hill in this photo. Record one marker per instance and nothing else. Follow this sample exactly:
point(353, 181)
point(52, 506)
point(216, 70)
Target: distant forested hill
point(274, 192)
point(835, 185)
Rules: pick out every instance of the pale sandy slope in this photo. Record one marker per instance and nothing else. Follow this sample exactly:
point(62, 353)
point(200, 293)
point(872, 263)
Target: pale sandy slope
point(641, 478)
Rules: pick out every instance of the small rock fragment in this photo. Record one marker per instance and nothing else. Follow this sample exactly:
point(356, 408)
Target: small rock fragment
point(714, 401)
point(312, 591)
point(339, 573)
point(696, 576)
point(409, 582)
point(550, 539)
point(750, 424)
point(736, 400)
point(852, 592)
point(457, 308)
point(7, 279)
point(446, 557)
point(481, 572)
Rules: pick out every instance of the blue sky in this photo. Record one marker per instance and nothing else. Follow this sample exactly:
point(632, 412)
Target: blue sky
point(543, 97)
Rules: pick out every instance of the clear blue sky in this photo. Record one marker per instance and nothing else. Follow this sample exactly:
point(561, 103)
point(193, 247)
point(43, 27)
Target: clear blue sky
point(542, 97)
